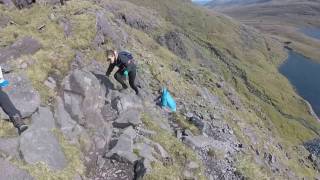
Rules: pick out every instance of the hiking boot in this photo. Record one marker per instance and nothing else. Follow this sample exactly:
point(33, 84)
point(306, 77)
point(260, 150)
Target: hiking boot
point(19, 124)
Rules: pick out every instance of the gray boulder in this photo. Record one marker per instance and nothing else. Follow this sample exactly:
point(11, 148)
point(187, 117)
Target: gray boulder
point(9, 146)
point(124, 102)
point(197, 121)
point(39, 144)
point(123, 150)
point(42, 146)
point(128, 118)
point(106, 30)
point(8, 3)
point(25, 98)
point(83, 101)
point(66, 124)
point(10, 172)
point(43, 118)
point(84, 98)
point(24, 46)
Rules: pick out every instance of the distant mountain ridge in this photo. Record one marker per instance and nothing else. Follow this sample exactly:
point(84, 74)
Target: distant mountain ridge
point(215, 3)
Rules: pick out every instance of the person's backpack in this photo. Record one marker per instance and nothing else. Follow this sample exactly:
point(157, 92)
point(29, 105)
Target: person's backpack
point(167, 100)
point(127, 54)
point(131, 60)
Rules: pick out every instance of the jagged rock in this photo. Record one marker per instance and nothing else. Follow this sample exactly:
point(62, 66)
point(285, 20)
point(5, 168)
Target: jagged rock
point(43, 118)
point(145, 151)
point(9, 146)
point(39, 144)
point(8, 3)
point(42, 146)
point(161, 151)
point(124, 147)
point(22, 95)
point(10, 171)
point(24, 3)
point(315, 160)
point(123, 102)
point(135, 16)
point(108, 31)
point(130, 132)
point(130, 117)
point(84, 98)
point(67, 125)
point(146, 133)
point(123, 150)
point(197, 121)
point(24, 46)
point(174, 41)
point(78, 62)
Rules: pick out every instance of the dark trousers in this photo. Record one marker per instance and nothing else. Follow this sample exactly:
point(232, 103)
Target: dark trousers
point(120, 77)
point(7, 106)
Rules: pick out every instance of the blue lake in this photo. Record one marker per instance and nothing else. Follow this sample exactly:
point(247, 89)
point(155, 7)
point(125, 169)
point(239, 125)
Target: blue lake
point(304, 75)
point(201, 2)
point(312, 32)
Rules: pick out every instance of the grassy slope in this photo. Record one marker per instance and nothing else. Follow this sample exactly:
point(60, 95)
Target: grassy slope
point(249, 64)
point(283, 20)
point(55, 57)
point(259, 84)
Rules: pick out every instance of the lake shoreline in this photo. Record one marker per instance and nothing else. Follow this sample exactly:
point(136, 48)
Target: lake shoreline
point(300, 71)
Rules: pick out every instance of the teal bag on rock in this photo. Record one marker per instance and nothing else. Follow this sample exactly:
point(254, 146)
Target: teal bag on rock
point(167, 100)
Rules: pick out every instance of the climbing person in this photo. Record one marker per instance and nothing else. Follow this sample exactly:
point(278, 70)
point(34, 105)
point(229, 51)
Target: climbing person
point(126, 68)
point(8, 107)
point(12, 112)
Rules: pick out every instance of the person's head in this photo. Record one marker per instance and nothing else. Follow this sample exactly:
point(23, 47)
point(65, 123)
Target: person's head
point(112, 55)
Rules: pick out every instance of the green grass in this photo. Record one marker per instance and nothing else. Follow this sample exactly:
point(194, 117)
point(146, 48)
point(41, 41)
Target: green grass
point(184, 124)
point(57, 51)
point(180, 153)
point(249, 168)
point(7, 129)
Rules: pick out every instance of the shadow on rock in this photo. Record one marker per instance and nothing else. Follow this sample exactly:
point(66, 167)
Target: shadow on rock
point(105, 81)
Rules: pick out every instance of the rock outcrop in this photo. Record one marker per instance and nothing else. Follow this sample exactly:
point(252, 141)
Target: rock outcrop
point(9, 171)
point(39, 144)
point(23, 46)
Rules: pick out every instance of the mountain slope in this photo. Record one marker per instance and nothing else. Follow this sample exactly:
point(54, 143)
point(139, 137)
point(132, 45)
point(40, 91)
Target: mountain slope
point(282, 19)
point(224, 3)
point(237, 116)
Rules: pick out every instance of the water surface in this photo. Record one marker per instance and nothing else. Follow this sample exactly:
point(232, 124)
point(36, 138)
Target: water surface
point(311, 32)
point(304, 75)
